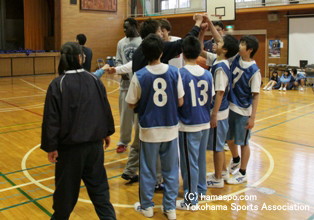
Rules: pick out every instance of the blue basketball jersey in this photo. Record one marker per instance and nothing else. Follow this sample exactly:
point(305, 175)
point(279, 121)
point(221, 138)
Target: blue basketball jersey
point(241, 94)
point(197, 98)
point(158, 104)
point(221, 65)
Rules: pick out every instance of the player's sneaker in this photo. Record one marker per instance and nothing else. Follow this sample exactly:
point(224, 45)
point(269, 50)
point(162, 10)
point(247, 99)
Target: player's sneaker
point(180, 205)
point(237, 178)
point(149, 212)
point(280, 89)
point(284, 89)
point(121, 148)
point(269, 88)
point(233, 166)
point(225, 174)
point(171, 214)
point(226, 147)
point(213, 182)
point(301, 89)
point(265, 88)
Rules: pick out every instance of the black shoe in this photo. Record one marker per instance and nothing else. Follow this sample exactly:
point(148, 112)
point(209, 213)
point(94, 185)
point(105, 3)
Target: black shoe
point(159, 187)
point(132, 179)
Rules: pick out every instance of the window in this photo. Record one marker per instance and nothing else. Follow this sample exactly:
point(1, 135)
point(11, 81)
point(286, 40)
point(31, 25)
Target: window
point(172, 4)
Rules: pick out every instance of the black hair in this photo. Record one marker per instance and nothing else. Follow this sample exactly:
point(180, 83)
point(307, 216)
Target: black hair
point(295, 71)
point(152, 47)
point(231, 44)
point(132, 22)
point(81, 39)
point(251, 43)
point(69, 59)
point(220, 24)
point(191, 47)
point(165, 24)
point(149, 26)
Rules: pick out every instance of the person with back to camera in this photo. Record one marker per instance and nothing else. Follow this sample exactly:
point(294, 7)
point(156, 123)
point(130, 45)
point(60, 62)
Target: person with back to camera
point(77, 121)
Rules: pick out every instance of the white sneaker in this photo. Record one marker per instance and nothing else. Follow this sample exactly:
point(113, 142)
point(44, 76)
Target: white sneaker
point(149, 212)
point(213, 182)
point(171, 214)
point(269, 88)
point(265, 88)
point(226, 147)
point(237, 178)
point(301, 89)
point(280, 89)
point(284, 89)
point(180, 205)
point(233, 166)
point(225, 175)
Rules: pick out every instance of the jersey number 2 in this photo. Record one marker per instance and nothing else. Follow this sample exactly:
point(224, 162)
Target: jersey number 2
point(203, 92)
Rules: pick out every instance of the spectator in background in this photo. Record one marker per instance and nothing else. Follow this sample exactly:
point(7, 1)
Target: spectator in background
point(81, 40)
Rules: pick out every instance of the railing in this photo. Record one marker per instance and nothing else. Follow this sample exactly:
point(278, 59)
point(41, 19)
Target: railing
point(143, 8)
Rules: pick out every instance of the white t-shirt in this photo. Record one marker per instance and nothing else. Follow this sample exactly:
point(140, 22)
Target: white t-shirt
point(221, 83)
point(134, 94)
point(254, 83)
point(177, 61)
point(195, 70)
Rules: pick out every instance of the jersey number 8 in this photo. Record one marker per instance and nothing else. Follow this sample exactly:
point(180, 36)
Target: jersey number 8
point(160, 91)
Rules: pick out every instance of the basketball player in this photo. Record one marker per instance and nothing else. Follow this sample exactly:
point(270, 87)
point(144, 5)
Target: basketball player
point(194, 126)
point(243, 101)
point(156, 91)
point(227, 47)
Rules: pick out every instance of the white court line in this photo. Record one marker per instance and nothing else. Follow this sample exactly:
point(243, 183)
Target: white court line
point(37, 182)
point(283, 113)
point(31, 84)
point(20, 97)
point(21, 109)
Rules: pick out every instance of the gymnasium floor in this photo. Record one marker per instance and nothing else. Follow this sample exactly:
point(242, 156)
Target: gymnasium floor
point(280, 171)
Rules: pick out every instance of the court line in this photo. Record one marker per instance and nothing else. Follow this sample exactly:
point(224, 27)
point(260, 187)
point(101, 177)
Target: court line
point(282, 106)
point(6, 132)
point(31, 84)
point(27, 196)
point(21, 108)
point(37, 182)
point(283, 113)
point(270, 170)
point(300, 116)
point(43, 197)
point(274, 139)
point(19, 125)
point(311, 218)
point(20, 97)
point(48, 164)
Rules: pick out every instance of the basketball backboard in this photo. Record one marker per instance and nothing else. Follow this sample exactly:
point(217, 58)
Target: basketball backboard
point(224, 8)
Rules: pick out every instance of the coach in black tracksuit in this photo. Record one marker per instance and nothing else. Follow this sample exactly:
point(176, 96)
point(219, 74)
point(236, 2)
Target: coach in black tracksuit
point(77, 118)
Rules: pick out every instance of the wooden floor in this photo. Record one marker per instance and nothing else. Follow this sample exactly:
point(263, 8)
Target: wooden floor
point(280, 171)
